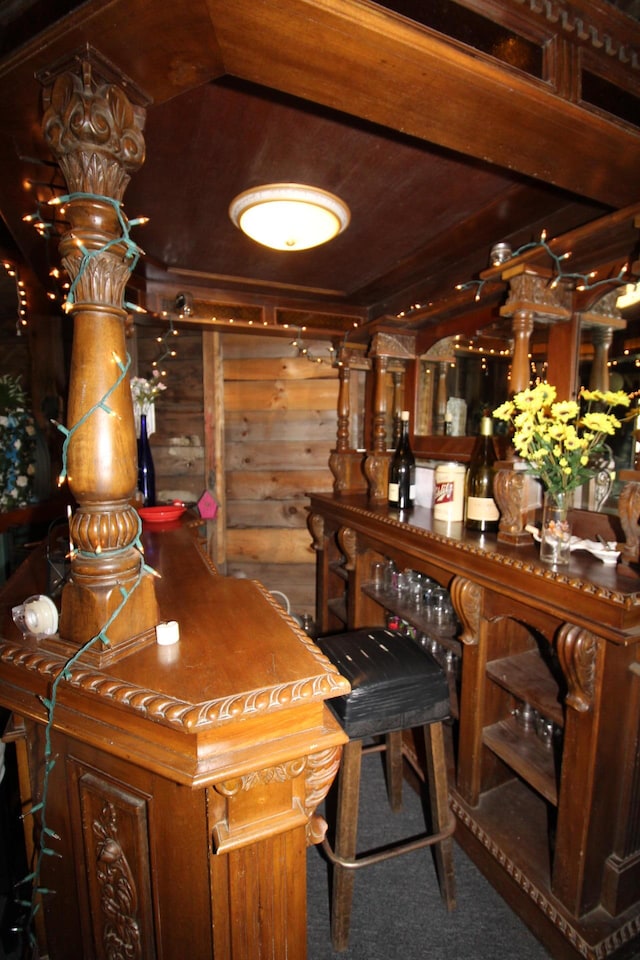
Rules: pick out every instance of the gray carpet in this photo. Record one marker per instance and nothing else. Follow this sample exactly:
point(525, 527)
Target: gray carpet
point(397, 909)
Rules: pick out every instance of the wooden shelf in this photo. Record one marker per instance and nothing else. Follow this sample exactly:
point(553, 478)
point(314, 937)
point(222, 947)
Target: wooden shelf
point(338, 568)
point(526, 754)
point(444, 635)
point(528, 677)
point(338, 607)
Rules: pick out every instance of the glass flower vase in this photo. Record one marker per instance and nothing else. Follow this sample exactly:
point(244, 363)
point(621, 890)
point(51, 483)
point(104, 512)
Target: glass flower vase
point(555, 535)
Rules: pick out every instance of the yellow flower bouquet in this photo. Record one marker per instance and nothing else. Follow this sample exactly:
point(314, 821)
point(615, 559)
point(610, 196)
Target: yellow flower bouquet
point(561, 439)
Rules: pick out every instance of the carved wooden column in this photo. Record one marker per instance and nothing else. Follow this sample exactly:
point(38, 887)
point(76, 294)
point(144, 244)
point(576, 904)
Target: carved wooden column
point(443, 355)
point(601, 338)
point(345, 461)
point(522, 326)
point(376, 465)
point(532, 298)
point(602, 319)
point(94, 130)
point(390, 353)
point(441, 398)
point(582, 658)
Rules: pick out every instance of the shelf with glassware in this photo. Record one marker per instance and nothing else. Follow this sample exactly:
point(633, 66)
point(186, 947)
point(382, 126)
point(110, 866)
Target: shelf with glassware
point(419, 607)
point(528, 738)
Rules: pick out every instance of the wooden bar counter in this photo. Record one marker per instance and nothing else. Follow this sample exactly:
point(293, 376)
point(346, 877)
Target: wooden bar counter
point(547, 745)
point(186, 776)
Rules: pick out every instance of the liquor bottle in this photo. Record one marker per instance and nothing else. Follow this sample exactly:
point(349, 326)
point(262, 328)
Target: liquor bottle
point(481, 511)
point(402, 470)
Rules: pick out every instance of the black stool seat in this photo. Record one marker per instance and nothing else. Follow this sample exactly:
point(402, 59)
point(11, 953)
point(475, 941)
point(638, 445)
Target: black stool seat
point(394, 684)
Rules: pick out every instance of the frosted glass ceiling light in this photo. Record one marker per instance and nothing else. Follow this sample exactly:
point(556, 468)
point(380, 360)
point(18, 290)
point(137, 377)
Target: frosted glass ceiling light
point(289, 216)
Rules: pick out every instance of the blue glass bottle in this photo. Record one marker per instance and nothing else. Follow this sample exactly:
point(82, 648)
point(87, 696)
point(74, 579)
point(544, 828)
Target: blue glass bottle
point(146, 470)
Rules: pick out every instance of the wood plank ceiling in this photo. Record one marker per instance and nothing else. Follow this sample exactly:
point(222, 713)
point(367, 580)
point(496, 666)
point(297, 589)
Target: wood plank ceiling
point(439, 149)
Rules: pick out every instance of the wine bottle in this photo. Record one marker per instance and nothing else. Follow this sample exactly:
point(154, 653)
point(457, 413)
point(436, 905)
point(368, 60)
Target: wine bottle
point(402, 470)
point(481, 511)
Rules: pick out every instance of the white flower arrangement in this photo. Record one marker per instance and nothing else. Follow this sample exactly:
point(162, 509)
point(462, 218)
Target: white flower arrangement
point(17, 446)
point(144, 393)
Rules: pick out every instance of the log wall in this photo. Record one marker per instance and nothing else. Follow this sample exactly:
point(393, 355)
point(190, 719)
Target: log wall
point(246, 418)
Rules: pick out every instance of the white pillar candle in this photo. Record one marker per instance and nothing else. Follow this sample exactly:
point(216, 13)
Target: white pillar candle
point(167, 633)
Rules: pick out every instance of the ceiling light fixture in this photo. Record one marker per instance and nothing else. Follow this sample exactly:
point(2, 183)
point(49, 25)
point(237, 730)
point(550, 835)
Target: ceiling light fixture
point(289, 216)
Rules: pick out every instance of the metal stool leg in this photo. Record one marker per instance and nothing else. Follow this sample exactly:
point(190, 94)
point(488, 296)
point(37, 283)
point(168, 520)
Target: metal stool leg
point(345, 842)
point(440, 812)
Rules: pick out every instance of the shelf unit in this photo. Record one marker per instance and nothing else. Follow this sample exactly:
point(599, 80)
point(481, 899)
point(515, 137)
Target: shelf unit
point(441, 640)
point(546, 773)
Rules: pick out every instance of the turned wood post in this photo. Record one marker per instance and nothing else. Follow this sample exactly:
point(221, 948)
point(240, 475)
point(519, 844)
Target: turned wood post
point(532, 298)
point(602, 319)
point(376, 465)
point(344, 408)
point(398, 404)
point(379, 430)
point(345, 462)
point(522, 326)
point(94, 131)
point(601, 338)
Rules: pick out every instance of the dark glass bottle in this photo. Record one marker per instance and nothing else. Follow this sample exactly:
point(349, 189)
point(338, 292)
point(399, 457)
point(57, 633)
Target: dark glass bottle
point(402, 470)
point(481, 511)
point(146, 470)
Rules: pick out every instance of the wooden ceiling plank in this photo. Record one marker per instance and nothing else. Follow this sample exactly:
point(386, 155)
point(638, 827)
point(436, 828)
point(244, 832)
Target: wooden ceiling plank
point(373, 64)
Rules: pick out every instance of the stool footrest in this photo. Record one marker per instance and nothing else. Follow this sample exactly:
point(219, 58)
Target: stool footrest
point(392, 850)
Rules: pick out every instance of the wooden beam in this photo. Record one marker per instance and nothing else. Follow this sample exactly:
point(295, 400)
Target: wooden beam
point(374, 64)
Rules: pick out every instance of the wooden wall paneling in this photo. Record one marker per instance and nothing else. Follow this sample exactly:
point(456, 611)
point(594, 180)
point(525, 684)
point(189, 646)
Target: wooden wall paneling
point(215, 464)
point(280, 425)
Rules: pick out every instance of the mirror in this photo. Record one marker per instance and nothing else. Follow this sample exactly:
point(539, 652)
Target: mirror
point(458, 379)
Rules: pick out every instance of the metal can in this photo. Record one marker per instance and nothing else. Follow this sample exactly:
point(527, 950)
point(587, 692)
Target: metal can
point(448, 492)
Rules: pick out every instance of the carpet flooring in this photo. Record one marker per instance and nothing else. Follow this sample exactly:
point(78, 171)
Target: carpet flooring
point(397, 910)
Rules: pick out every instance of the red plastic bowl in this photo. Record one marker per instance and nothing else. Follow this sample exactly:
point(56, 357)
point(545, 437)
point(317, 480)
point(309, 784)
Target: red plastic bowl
point(161, 514)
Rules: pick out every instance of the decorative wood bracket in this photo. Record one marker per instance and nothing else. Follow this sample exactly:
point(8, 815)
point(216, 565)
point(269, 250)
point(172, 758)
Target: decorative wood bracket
point(287, 793)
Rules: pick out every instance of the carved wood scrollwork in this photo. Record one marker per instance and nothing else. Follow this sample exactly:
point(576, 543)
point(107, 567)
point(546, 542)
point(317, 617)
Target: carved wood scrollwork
point(321, 771)
point(115, 829)
point(629, 510)
point(348, 543)
point(376, 470)
point(278, 774)
point(510, 492)
point(578, 652)
point(309, 779)
point(467, 598)
point(339, 467)
point(118, 896)
point(315, 523)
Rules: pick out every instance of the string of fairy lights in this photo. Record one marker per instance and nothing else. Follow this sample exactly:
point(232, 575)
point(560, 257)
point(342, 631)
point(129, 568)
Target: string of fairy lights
point(48, 219)
point(582, 281)
point(21, 296)
point(130, 254)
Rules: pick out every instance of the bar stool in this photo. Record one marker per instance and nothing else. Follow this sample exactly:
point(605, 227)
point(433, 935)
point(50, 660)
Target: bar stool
point(395, 686)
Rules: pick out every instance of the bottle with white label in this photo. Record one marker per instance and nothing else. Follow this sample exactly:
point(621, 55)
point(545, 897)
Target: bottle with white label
point(402, 470)
point(482, 513)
